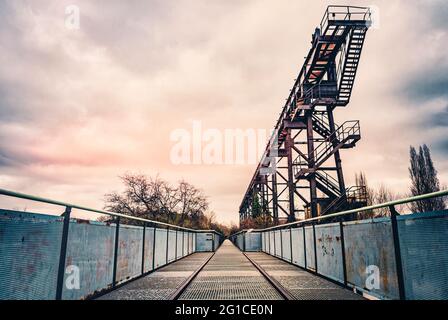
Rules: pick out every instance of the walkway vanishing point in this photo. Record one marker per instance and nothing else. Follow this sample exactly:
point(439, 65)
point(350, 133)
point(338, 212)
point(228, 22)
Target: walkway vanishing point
point(230, 274)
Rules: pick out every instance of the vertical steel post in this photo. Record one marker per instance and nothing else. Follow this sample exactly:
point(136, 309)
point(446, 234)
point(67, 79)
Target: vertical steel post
point(291, 184)
point(274, 196)
point(290, 240)
point(175, 252)
point(275, 249)
point(337, 156)
point(183, 239)
point(281, 244)
point(167, 243)
point(397, 251)
point(63, 253)
point(344, 265)
point(315, 247)
point(304, 246)
point(311, 164)
point(143, 247)
point(117, 241)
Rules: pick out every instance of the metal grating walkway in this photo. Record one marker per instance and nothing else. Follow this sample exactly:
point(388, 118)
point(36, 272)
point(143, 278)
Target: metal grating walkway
point(229, 276)
point(302, 284)
point(160, 284)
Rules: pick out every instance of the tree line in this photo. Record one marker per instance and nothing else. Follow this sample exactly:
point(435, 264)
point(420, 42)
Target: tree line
point(156, 199)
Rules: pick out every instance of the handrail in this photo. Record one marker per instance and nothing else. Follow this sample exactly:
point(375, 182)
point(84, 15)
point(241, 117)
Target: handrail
point(358, 210)
point(25, 196)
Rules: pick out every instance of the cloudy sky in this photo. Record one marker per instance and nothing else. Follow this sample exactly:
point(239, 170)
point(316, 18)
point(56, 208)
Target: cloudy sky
point(78, 107)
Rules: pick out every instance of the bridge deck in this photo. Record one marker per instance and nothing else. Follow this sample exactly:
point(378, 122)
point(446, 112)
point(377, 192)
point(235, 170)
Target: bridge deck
point(229, 275)
point(160, 284)
point(302, 285)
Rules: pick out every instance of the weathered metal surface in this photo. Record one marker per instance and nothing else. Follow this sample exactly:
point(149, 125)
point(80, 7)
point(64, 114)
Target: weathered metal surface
point(302, 285)
point(298, 256)
point(179, 243)
point(329, 251)
point(204, 241)
point(424, 254)
point(160, 254)
point(229, 276)
point(286, 245)
point(171, 245)
point(89, 249)
point(149, 241)
point(129, 252)
point(253, 241)
point(160, 284)
point(369, 246)
point(277, 243)
point(185, 243)
point(309, 244)
point(29, 255)
point(271, 243)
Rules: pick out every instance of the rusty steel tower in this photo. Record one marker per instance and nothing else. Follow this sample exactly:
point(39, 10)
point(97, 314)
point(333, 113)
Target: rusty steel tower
point(301, 169)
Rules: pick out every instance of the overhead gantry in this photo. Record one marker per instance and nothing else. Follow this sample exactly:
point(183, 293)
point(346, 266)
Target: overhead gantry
point(300, 171)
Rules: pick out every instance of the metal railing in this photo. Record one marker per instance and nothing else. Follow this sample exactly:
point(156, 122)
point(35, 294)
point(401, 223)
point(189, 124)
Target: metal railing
point(396, 233)
point(340, 12)
point(217, 237)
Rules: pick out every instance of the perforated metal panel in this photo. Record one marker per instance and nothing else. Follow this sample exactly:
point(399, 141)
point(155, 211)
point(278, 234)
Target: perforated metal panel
point(161, 242)
point(298, 255)
point(90, 248)
point(130, 248)
point(424, 252)
point(286, 245)
point(329, 251)
point(171, 245)
point(309, 245)
point(149, 240)
point(278, 243)
point(253, 241)
point(370, 243)
point(179, 244)
point(29, 255)
point(271, 243)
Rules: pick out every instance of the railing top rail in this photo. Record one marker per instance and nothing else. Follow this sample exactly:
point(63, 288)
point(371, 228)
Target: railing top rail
point(342, 213)
point(24, 196)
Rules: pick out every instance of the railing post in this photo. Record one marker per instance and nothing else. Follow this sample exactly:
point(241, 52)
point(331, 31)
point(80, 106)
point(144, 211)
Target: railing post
point(397, 250)
point(167, 243)
point(304, 246)
point(117, 235)
point(183, 239)
point(275, 249)
point(175, 251)
point(344, 266)
point(63, 253)
point(290, 240)
point(281, 244)
point(154, 248)
point(143, 247)
point(315, 247)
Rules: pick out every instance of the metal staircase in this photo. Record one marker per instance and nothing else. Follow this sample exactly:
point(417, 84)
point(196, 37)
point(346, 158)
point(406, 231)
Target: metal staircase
point(349, 65)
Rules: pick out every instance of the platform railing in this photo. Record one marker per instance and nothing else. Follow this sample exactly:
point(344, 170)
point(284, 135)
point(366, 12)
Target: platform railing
point(401, 256)
point(12, 222)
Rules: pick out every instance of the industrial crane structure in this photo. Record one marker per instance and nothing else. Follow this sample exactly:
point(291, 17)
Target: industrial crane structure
point(300, 172)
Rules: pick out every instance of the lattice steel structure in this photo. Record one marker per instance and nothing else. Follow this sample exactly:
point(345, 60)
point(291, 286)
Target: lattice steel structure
point(301, 166)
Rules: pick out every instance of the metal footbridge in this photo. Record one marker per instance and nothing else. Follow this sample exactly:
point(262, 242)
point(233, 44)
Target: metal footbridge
point(327, 250)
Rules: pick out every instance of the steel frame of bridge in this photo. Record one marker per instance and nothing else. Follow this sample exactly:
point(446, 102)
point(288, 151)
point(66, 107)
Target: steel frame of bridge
point(296, 167)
